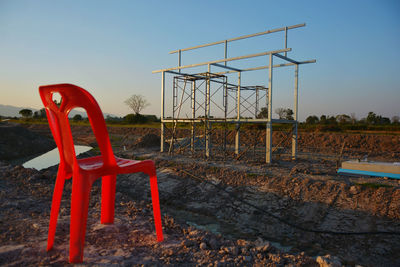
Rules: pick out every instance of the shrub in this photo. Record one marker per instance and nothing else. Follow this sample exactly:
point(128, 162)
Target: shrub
point(135, 119)
point(77, 117)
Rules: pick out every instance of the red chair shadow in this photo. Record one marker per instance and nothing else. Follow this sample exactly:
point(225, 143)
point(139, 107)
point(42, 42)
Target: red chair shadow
point(85, 171)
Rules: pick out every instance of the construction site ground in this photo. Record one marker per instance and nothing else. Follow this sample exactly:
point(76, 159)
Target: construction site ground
point(218, 212)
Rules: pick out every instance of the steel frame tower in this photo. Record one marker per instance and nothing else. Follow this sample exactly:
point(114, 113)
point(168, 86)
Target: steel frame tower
point(201, 88)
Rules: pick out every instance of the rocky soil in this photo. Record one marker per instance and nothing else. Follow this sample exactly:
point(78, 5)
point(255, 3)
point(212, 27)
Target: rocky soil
point(25, 200)
point(290, 213)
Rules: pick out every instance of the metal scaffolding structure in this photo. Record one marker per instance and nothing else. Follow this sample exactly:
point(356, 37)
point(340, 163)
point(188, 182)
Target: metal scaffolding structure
point(213, 102)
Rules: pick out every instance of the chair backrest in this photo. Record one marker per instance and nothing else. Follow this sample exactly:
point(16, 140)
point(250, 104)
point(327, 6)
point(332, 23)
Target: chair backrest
point(74, 97)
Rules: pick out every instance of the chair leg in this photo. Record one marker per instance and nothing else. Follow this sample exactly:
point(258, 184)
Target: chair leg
point(79, 212)
point(55, 207)
point(108, 185)
point(156, 205)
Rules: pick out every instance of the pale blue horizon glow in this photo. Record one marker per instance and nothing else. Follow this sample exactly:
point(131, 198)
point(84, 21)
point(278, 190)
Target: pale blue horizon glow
point(110, 48)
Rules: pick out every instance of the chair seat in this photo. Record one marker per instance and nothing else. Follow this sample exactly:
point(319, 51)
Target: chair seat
point(94, 163)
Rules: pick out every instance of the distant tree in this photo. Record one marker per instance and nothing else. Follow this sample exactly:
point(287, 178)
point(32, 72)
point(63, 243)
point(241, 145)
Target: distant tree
point(312, 119)
point(112, 119)
point(395, 119)
point(77, 117)
point(26, 113)
point(383, 120)
point(284, 113)
point(289, 114)
point(353, 118)
point(322, 119)
point(152, 118)
point(40, 114)
point(331, 120)
point(343, 118)
point(372, 118)
point(280, 112)
point(137, 103)
point(263, 114)
point(327, 119)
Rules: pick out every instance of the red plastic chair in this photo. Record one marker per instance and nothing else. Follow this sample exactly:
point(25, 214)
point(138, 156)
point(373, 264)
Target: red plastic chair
point(85, 171)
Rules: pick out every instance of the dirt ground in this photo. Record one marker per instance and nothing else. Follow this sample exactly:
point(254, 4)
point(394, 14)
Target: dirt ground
point(373, 146)
point(130, 241)
point(291, 213)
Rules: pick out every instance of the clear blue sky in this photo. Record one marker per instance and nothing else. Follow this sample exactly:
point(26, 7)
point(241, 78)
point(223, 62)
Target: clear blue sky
point(111, 48)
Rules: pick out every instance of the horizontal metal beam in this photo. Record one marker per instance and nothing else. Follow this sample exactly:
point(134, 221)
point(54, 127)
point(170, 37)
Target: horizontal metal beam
point(266, 67)
point(246, 88)
point(234, 86)
point(286, 58)
point(250, 69)
point(186, 74)
point(199, 77)
point(226, 67)
point(225, 60)
point(240, 38)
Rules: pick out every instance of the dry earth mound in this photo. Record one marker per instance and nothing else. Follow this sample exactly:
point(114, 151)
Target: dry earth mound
point(18, 142)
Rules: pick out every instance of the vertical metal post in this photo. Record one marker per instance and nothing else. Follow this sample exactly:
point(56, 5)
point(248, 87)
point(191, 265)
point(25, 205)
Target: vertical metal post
point(268, 143)
point(237, 137)
point(226, 110)
point(162, 110)
point(174, 97)
point(175, 86)
point(296, 101)
point(225, 97)
point(286, 40)
point(226, 51)
point(257, 100)
point(207, 115)
point(192, 143)
point(179, 59)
